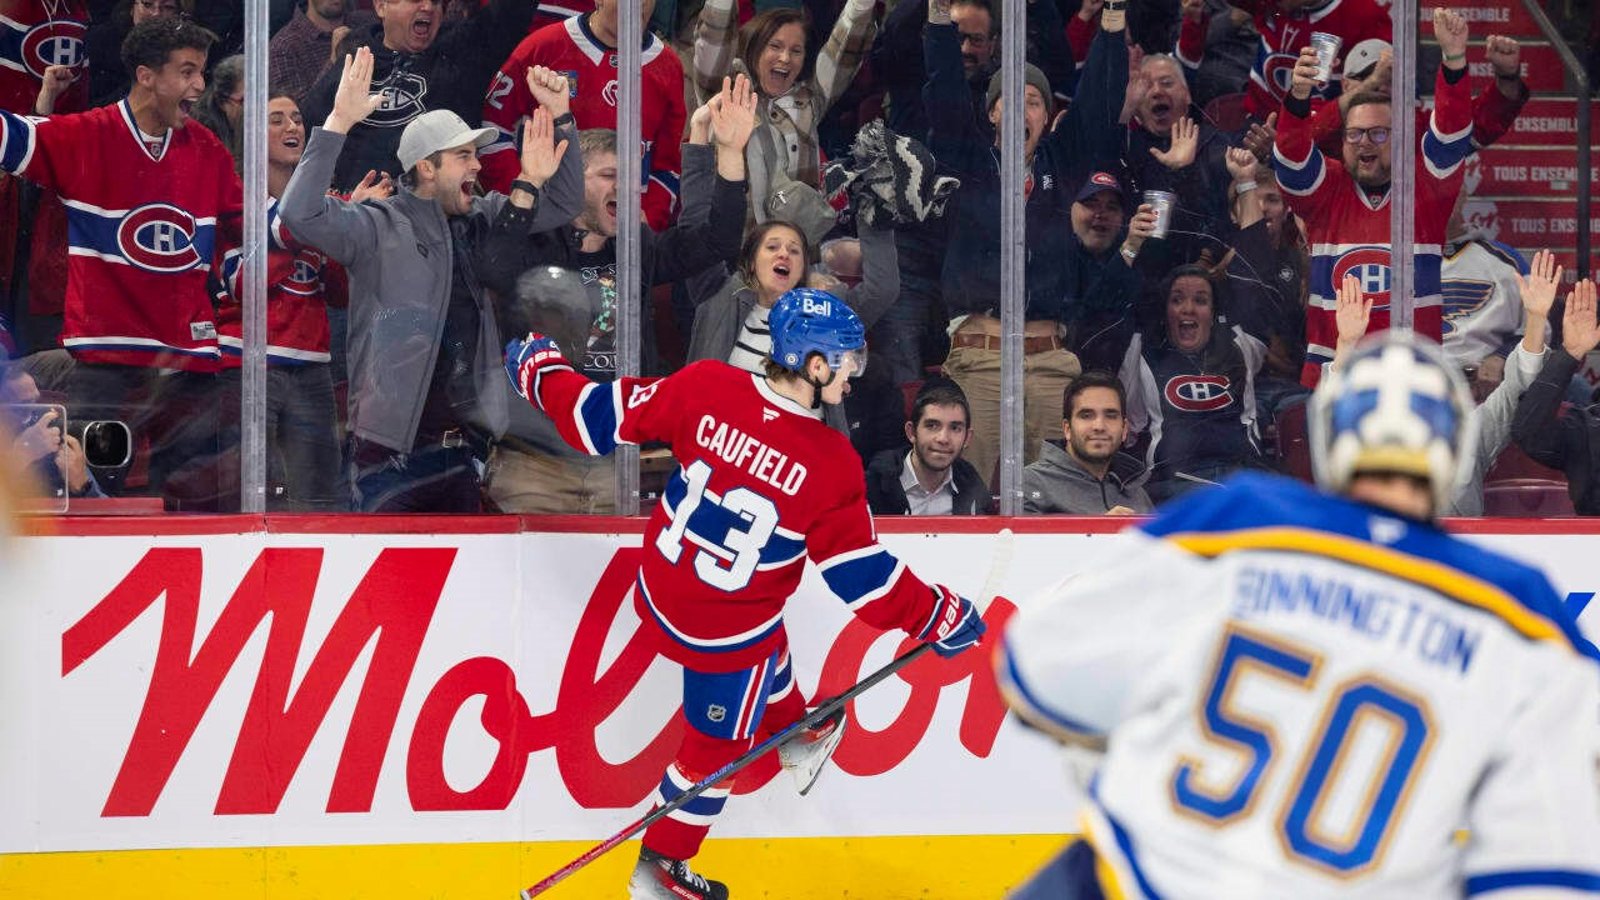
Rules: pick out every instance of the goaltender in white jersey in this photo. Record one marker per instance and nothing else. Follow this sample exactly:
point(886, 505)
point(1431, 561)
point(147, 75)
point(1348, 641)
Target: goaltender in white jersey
point(1307, 695)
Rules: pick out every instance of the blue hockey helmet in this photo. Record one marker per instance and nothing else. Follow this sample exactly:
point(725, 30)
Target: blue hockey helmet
point(806, 321)
point(1397, 406)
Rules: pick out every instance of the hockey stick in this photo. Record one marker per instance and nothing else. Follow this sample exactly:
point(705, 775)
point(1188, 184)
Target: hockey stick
point(1002, 559)
point(828, 708)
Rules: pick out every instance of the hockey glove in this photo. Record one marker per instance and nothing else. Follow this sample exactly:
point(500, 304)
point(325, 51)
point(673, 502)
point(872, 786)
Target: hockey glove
point(529, 358)
point(955, 624)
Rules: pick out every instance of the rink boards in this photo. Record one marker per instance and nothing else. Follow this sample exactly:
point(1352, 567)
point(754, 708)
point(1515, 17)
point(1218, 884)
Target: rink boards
point(454, 708)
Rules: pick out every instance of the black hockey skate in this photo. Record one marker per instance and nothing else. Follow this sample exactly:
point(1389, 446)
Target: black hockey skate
point(658, 877)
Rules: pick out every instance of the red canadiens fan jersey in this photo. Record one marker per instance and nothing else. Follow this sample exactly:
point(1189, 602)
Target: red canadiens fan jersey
point(146, 225)
point(591, 69)
point(1349, 232)
point(1282, 37)
point(301, 283)
point(34, 37)
point(759, 488)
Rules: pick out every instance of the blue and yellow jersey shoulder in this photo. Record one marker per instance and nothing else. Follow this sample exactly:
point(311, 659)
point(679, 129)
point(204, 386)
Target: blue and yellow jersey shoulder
point(1270, 513)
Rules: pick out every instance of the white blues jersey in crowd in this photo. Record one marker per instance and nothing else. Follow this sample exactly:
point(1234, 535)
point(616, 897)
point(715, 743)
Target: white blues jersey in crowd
point(1304, 697)
point(1482, 303)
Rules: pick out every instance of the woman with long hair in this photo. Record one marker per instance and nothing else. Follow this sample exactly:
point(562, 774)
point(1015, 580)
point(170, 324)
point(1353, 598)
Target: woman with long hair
point(795, 85)
point(1191, 383)
point(221, 107)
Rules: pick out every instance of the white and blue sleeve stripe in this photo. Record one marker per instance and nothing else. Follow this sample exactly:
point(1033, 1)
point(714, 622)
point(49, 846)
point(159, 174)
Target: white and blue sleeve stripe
point(16, 142)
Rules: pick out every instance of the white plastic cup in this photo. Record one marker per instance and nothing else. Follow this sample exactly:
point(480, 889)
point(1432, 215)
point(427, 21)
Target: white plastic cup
point(1163, 202)
point(1327, 47)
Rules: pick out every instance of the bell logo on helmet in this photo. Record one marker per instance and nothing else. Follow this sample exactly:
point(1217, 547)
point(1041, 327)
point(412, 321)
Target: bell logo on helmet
point(814, 307)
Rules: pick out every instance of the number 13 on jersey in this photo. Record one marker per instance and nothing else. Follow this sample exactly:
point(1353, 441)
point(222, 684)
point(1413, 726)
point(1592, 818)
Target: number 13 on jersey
point(1352, 712)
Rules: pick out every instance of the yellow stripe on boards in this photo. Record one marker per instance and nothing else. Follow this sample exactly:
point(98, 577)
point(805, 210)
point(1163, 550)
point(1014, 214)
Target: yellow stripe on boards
point(960, 867)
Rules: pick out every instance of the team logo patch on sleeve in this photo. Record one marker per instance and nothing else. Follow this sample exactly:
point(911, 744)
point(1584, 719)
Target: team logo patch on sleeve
point(1198, 393)
point(157, 237)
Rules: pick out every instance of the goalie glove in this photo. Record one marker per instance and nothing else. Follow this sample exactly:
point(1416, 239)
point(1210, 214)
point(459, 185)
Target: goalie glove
point(955, 624)
point(530, 358)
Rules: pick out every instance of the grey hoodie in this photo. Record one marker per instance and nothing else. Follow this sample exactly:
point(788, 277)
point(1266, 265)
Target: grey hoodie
point(1058, 483)
point(398, 253)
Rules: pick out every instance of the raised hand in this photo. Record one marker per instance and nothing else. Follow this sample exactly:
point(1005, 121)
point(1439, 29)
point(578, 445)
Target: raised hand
point(1352, 311)
point(1538, 288)
point(541, 155)
point(1192, 9)
point(374, 185)
point(1580, 333)
point(1450, 29)
point(734, 119)
point(354, 100)
point(549, 89)
point(1261, 136)
point(1304, 78)
point(955, 624)
point(1241, 163)
point(1185, 142)
point(529, 359)
point(1505, 55)
point(55, 83)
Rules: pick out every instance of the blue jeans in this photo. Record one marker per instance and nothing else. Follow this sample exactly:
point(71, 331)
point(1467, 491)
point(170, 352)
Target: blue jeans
point(430, 479)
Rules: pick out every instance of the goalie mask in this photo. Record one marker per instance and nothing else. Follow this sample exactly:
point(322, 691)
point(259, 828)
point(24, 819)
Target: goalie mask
point(1397, 406)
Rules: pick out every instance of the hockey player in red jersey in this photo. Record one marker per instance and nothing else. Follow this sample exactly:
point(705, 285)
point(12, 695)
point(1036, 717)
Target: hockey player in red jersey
point(584, 49)
point(1345, 203)
point(760, 486)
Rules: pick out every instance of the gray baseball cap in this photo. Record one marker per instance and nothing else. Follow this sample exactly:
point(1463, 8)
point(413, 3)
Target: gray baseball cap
point(437, 130)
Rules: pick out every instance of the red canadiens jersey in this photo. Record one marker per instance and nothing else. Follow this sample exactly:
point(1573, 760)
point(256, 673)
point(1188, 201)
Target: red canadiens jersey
point(147, 226)
point(591, 69)
point(759, 487)
point(301, 283)
point(1349, 232)
point(33, 38)
point(1282, 36)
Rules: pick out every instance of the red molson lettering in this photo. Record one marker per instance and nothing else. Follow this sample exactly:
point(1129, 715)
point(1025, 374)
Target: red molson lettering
point(393, 606)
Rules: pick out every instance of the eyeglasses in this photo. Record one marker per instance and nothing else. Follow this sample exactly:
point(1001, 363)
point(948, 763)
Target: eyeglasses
point(1379, 135)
